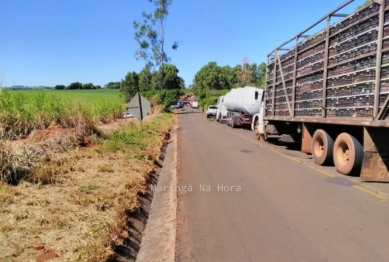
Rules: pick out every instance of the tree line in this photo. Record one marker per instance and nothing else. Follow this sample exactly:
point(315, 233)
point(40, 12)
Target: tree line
point(215, 77)
point(147, 80)
point(81, 86)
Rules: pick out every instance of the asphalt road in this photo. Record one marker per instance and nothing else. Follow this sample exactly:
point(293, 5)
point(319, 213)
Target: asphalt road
point(253, 202)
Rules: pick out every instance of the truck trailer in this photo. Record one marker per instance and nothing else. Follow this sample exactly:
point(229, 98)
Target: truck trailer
point(329, 92)
point(241, 104)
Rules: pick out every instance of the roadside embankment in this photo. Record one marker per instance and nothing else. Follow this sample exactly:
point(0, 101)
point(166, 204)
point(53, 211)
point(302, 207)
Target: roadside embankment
point(74, 197)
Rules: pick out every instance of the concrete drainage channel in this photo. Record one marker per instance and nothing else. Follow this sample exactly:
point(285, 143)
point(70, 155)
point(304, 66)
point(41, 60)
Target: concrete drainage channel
point(158, 242)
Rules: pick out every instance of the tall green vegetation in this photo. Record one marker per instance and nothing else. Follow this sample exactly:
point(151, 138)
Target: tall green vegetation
point(22, 112)
point(112, 85)
point(164, 97)
point(212, 80)
point(77, 86)
point(146, 80)
point(150, 34)
point(214, 77)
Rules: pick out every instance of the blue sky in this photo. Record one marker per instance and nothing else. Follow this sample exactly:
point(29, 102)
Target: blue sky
point(50, 42)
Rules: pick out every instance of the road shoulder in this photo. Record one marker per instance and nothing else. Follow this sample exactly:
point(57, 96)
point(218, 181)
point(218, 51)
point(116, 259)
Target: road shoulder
point(158, 242)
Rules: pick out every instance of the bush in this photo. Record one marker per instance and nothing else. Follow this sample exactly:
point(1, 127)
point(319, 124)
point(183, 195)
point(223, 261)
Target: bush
point(165, 97)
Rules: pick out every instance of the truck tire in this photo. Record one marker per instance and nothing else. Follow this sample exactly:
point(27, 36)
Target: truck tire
point(256, 129)
point(233, 123)
point(322, 147)
point(348, 154)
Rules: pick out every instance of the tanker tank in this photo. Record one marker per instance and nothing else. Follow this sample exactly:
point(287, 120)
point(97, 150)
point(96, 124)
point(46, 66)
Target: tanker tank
point(244, 100)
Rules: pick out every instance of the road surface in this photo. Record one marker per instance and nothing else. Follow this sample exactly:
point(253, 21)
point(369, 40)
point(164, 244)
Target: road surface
point(253, 202)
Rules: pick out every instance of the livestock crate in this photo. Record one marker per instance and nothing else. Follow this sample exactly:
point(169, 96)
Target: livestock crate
point(365, 88)
point(308, 104)
point(350, 112)
point(351, 101)
point(282, 113)
point(309, 95)
point(371, 11)
point(353, 54)
point(308, 112)
point(368, 37)
point(385, 86)
point(365, 26)
point(319, 37)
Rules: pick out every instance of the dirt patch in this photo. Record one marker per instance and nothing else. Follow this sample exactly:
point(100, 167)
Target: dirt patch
point(116, 123)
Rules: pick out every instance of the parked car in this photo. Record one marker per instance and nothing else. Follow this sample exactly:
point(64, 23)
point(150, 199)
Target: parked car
point(127, 115)
point(211, 111)
point(195, 104)
point(178, 105)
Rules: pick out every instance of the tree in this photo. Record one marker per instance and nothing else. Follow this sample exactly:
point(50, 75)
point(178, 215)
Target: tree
point(59, 87)
point(145, 78)
point(113, 85)
point(262, 74)
point(75, 85)
point(98, 87)
point(171, 78)
point(129, 85)
point(244, 73)
point(182, 82)
point(211, 77)
point(232, 78)
point(150, 35)
point(88, 86)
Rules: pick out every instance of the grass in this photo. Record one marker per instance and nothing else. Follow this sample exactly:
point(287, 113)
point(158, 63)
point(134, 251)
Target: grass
point(21, 112)
point(109, 95)
point(75, 201)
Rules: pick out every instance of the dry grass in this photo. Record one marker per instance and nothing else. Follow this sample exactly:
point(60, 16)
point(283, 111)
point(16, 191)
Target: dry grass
point(74, 202)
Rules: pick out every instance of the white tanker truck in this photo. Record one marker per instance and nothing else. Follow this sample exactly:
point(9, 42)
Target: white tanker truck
point(241, 104)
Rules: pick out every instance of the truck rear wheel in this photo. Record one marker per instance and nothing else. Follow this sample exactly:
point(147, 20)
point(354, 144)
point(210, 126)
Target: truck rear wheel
point(348, 154)
point(233, 123)
point(322, 147)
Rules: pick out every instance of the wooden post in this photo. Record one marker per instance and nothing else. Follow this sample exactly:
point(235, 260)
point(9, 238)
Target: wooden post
point(141, 112)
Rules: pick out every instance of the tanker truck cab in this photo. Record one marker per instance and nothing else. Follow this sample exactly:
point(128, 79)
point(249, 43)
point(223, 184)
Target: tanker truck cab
point(221, 113)
point(258, 124)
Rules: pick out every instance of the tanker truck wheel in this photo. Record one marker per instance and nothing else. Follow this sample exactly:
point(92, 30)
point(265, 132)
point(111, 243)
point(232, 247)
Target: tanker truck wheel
point(322, 147)
point(256, 130)
point(233, 123)
point(348, 154)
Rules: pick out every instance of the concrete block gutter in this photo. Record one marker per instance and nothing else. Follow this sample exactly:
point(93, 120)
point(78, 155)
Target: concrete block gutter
point(158, 242)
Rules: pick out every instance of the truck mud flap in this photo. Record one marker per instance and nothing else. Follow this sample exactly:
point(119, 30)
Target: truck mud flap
point(375, 166)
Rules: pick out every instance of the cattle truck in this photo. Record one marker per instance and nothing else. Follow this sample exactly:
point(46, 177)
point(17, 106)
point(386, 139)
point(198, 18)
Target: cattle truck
point(329, 92)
